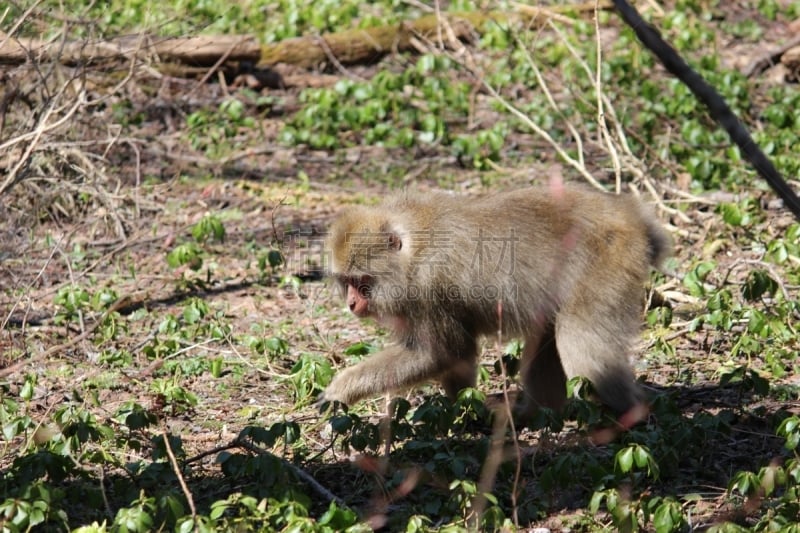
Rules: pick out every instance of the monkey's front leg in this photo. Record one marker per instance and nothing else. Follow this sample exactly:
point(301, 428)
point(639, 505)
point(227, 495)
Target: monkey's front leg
point(396, 367)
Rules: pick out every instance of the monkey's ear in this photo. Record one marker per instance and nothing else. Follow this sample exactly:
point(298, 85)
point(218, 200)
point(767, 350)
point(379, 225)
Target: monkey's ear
point(395, 235)
point(394, 242)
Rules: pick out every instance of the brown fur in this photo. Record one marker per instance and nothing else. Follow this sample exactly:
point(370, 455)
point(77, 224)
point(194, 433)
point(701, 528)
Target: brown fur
point(567, 264)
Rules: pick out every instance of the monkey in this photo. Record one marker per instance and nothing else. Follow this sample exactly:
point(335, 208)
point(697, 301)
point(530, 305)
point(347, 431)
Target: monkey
point(562, 267)
point(717, 106)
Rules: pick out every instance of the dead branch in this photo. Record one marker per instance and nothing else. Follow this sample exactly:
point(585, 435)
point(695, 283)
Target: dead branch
point(769, 59)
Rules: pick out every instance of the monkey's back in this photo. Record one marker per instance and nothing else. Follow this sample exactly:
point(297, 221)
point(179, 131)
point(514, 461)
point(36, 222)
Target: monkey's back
point(535, 250)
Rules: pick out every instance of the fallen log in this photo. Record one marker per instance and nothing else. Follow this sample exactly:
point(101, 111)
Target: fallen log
point(195, 51)
point(345, 47)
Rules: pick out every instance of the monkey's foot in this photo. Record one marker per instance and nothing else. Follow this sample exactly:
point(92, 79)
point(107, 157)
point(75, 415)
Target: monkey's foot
point(633, 416)
point(497, 400)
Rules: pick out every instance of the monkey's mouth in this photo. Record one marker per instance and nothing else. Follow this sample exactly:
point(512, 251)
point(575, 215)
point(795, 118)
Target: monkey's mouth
point(358, 291)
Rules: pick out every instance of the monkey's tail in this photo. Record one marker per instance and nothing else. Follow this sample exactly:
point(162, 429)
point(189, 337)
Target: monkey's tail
point(659, 243)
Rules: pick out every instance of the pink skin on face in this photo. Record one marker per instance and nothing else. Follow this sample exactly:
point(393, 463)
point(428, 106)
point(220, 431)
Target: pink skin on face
point(357, 302)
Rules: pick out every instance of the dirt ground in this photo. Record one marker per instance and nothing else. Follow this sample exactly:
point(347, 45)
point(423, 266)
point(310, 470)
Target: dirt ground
point(107, 197)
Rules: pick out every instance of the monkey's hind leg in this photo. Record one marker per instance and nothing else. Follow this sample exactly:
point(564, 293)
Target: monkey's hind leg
point(463, 374)
point(594, 343)
point(543, 377)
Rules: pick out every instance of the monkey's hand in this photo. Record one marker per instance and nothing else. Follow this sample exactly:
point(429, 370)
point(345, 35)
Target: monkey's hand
point(327, 406)
point(392, 369)
point(342, 389)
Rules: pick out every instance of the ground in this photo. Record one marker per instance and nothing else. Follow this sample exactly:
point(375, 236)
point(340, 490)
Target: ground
point(212, 339)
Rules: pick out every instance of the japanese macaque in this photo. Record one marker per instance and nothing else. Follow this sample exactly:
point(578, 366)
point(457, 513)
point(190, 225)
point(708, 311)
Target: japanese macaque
point(562, 267)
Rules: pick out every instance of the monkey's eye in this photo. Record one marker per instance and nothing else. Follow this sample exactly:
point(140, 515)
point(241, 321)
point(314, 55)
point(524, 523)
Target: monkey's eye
point(394, 242)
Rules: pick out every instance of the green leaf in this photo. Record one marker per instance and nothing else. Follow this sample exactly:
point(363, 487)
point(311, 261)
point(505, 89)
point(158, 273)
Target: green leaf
point(625, 459)
point(185, 254)
point(274, 258)
point(215, 367)
point(359, 348)
point(218, 509)
point(27, 390)
point(667, 517)
point(341, 424)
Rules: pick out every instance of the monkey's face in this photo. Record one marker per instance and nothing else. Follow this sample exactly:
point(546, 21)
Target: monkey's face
point(368, 267)
point(364, 256)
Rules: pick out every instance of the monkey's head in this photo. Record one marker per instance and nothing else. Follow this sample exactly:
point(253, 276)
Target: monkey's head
point(367, 255)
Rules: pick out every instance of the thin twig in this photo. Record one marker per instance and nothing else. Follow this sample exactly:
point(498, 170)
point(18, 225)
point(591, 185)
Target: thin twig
point(503, 418)
point(217, 449)
point(30, 285)
point(37, 134)
point(769, 59)
point(302, 474)
point(582, 170)
point(766, 266)
point(601, 119)
point(176, 468)
point(554, 106)
point(9, 370)
point(633, 164)
point(323, 44)
point(19, 22)
point(222, 59)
